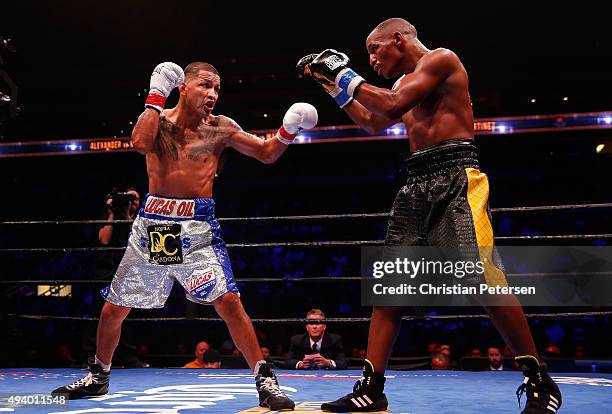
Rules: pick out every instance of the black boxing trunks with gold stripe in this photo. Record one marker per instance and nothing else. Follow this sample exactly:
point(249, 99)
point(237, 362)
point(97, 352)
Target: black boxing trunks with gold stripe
point(445, 203)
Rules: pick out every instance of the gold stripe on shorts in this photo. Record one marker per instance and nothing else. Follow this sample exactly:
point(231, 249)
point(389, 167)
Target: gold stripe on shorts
point(478, 198)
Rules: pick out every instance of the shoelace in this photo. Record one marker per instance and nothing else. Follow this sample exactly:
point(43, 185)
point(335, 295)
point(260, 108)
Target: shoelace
point(269, 384)
point(523, 388)
point(85, 381)
point(357, 387)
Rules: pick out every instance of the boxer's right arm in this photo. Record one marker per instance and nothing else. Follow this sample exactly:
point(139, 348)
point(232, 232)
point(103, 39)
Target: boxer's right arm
point(164, 79)
point(300, 116)
point(145, 131)
point(367, 120)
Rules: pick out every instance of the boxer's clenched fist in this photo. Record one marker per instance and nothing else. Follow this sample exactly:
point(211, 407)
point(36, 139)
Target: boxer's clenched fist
point(330, 69)
point(166, 76)
point(300, 116)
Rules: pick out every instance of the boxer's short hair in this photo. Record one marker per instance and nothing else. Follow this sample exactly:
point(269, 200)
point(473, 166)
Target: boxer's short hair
point(195, 67)
point(397, 24)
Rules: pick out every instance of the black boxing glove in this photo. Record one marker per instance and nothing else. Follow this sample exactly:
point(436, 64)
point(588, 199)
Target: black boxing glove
point(330, 69)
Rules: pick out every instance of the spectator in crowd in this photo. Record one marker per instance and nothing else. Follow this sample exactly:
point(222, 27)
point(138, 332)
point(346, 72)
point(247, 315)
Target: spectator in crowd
point(579, 351)
point(495, 358)
point(474, 352)
point(441, 358)
point(265, 352)
point(316, 349)
point(205, 357)
point(279, 350)
point(181, 348)
point(432, 348)
point(552, 351)
point(212, 359)
point(507, 352)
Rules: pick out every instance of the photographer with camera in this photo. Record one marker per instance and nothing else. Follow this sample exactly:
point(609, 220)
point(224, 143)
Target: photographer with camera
point(120, 205)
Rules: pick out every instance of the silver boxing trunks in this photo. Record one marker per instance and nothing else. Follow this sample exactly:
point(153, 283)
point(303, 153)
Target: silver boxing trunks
point(172, 239)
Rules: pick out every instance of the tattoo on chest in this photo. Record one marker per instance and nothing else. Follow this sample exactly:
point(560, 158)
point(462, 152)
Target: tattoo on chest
point(173, 143)
point(166, 143)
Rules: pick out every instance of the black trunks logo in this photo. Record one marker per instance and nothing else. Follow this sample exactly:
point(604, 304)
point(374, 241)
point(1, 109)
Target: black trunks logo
point(165, 246)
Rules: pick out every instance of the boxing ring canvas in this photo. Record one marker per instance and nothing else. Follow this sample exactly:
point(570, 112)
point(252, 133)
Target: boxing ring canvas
point(168, 391)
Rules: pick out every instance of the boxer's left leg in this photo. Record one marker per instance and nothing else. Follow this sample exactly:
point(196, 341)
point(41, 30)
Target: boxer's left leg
point(109, 331)
point(469, 224)
point(208, 279)
point(230, 309)
point(405, 228)
point(136, 283)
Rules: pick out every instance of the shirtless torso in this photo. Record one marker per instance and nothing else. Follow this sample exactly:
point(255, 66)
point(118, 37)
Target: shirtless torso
point(184, 161)
point(183, 144)
point(446, 113)
point(432, 100)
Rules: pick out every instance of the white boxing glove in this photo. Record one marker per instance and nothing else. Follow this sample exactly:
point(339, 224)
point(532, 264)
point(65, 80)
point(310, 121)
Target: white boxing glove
point(300, 116)
point(166, 76)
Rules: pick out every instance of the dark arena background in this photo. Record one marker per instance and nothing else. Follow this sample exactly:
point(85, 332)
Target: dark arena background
point(73, 79)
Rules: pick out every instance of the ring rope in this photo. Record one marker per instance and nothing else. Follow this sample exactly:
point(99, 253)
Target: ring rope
point(556, 207)
point(231, 245)
point(557, 237)
point(279, 279)
point(239, 280)
point(327, 320)
point(319, 216)
point(298, 244)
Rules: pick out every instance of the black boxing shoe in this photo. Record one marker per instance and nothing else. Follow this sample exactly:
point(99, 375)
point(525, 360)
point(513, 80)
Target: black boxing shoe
point(270, 394)
point(543, 395)
point(367, 394)
point(95, 383)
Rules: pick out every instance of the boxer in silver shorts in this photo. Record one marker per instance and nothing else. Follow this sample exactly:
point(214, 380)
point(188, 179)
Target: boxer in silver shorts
point(172, 238)
point(176, 234)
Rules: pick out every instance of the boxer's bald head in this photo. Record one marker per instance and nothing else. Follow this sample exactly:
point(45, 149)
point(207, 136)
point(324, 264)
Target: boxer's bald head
point(389, 46)
point(393, 47)
point(395, 24)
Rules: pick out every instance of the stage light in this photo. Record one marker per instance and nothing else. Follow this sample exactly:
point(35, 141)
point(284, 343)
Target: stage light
point(501, 128)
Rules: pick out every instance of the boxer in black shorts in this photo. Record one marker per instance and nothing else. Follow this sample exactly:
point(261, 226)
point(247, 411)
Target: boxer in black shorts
point(445, 201)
